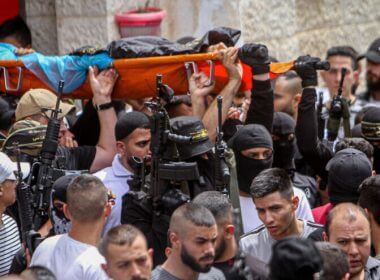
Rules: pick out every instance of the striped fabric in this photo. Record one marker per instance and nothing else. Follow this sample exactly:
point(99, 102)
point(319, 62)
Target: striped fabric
point(9, 243)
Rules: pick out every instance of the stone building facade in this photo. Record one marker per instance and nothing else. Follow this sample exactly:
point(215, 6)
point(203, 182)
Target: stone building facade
point(288, 27)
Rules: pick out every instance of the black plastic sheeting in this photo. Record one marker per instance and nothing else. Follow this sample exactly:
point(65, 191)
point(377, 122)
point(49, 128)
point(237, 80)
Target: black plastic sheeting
point(147, 46)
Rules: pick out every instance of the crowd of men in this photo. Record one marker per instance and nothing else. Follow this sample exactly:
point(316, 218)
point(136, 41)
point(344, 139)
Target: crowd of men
point(308, 204)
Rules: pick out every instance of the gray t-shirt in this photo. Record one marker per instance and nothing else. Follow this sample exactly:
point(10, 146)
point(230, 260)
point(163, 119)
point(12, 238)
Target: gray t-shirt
point(161, 274)
point(259, 242)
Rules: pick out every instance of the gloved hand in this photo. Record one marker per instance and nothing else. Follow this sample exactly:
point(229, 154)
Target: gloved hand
point(256, 56)
point(305, 68)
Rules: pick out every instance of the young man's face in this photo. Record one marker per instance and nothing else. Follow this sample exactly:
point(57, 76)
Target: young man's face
point(284, 99)
point(277, 213)
point(353, 237)
point(332, 77)
point(126, 262)
point(8, 192)
point(197, 247)
point(373, 73)
point(136, 144)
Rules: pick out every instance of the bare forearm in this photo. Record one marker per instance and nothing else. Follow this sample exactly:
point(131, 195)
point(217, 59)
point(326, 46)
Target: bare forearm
point(107, 120)
point(210, 119)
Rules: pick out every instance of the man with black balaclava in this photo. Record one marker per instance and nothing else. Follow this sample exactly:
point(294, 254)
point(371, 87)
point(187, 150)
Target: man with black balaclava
point(284, 144)
point(252, 144)
point(199, 151)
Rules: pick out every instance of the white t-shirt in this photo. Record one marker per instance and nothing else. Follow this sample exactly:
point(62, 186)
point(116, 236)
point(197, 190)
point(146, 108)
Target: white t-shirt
point(116, 179)
point(69, 259)
point(251, 219)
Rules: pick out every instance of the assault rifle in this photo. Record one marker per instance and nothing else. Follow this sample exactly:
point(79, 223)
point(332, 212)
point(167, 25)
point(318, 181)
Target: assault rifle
point(222, 173)
point(43, 173)
point(30, 237)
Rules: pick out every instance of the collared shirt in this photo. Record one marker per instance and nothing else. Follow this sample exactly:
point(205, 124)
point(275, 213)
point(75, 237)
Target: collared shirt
point(372, 269)
point(116, 179)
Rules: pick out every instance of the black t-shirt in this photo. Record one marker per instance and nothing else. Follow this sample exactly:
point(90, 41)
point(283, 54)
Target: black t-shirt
point(79, 158)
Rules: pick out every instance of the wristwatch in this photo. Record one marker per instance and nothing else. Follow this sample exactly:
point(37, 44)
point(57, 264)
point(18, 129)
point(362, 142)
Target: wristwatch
point(104, 106)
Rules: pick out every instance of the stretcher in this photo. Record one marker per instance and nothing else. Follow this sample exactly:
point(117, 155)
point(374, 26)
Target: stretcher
point(137, 76)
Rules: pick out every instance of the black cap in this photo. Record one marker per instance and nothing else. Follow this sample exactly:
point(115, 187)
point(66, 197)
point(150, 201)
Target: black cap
point(128, 122)
point(60, 187)
point(371, 124)
point(251, 136)
point(347, 170)
point(283, 124)
point(191, 126)
point(295, 258)
point(373, 52)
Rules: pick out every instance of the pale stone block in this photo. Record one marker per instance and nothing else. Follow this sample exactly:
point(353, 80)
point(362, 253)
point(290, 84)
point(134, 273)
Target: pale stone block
point(44, 34)
point(77, 32)
point(40, 8)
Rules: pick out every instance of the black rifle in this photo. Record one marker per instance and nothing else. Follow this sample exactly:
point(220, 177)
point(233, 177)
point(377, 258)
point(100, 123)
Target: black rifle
point(164, 172)
point(339, 109)
point(30, 237)
point(222, 173)
point(43, 172)
point(321, 121)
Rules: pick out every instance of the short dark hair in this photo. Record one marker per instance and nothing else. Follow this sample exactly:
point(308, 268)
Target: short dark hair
point(346, 51)
point(189, 212)
point(86, 198)
point(370, 196)
point(356, 143)
point(219, 205)
point(38, 272)
point(272, 180)
point(119, 235)
point(337, 209)
point(335, 261)
point(17, 28)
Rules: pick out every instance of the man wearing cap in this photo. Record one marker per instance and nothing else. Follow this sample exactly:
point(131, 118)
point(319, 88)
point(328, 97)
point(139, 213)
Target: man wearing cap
point(132, 134)
point(372, 73)
point(199, 150)
point(346, 171)
point(9, 233)
point(37, 104)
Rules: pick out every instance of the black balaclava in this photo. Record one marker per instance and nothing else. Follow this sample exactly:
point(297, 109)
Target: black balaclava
point(247, 137)
point(284, 148)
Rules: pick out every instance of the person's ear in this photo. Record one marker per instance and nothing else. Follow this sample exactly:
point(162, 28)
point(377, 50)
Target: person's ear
point(66, 211)
point(296, 100)
point(120, 147)
point(1, 189)
point(150, 252)
point(325, 237)
point(356, 75)
point(105, 268)
point(323, 75)
point(229, 231)
point(174, 239)
point(107, 209)
point(295, 202)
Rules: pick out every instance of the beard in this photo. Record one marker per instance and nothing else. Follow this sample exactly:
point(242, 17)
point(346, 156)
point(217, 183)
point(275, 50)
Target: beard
point(373, 84)
point(220, 250)
point(191, 262)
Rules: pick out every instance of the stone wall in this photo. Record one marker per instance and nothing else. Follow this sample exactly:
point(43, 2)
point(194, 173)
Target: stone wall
point(295, 27)
point(288, 27)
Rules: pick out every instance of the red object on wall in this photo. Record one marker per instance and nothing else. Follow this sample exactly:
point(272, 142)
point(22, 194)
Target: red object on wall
point(9, 9)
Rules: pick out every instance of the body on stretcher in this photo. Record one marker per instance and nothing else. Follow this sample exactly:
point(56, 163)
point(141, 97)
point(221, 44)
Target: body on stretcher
point(137, 76)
